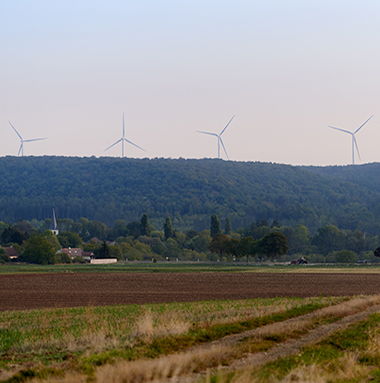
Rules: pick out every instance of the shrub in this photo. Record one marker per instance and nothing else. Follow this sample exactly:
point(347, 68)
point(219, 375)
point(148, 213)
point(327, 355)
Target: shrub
point(65, 258)
point(345, 256)
point(3, 256)
point(79, 259)
point(39, 250)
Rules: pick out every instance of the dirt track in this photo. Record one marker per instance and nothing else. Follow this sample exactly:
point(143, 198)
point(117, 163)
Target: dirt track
point(30, 291)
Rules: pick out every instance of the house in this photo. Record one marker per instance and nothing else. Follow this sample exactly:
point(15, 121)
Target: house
point(72, 252)
point(11, 252)
point(76, 251)
point(88, 255)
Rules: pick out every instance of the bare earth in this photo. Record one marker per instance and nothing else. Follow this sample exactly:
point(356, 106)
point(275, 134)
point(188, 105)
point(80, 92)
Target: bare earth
point(35, 291)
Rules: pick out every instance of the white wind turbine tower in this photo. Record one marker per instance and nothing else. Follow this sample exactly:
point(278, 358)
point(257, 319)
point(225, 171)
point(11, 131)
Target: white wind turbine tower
point(122, 140)
point(354, 143)
point(219, 138)
point(22, 140)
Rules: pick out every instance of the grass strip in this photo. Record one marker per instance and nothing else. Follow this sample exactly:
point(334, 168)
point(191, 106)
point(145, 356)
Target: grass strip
point(327, 352)
point(196, 336)
point(184, 267)
point(82, 361)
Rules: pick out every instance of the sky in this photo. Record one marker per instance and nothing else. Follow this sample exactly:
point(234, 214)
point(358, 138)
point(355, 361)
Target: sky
point(286, 70)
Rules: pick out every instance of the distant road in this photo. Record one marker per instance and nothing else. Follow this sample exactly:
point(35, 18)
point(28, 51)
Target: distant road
point(34, 291)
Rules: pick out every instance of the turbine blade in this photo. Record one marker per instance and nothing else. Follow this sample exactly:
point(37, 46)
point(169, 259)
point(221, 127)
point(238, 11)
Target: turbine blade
point(342, 130)
point(18, 154)
point(123, 127)
point(113, 145)
point(36, 139)
point(15, 130)
point(130, 142)
point(211, 134)
point(356, 145)
point(362, 125)
point(225, 151)
point(227, 125)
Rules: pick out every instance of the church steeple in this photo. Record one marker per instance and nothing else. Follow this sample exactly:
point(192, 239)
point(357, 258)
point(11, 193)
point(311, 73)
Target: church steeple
point(53, 226)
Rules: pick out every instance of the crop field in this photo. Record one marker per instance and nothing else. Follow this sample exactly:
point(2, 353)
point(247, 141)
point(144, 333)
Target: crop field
point(201, 327)
point(58, 290)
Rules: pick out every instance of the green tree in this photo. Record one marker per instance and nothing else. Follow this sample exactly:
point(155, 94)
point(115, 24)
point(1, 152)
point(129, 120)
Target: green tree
point(13, 235)
point(134, 229)
point(227, 227)
point(52, 239)
point(273, 244)
point(97, 229)
point(39, 250)
point(244, 247)
point(3, 256)
point(69, 239)
point(145, 225)
point(116, 252)
point(200, 242)
point(275, 223)
point(64, 258)
point(328, 238)
point(302, 239)
point(172, 249)
point(180, 238)
point(215, 227)
point(231, 246)
point(191, 234)
point(355, 241)
point(345, 256)
point(103, 251)
point(159, 248)
point(258, 232)
point(118, 229)
point(90, 246)
point(168, 229)
point(218, 244)
point(255, 250)
point(84, 233)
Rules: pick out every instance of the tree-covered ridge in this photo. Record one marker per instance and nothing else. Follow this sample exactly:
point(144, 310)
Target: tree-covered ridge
point(367, 175)
point(188, 191)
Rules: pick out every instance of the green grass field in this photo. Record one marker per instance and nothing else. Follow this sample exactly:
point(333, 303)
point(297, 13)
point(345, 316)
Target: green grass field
point(147, 343)
point(52, 342)
point(178, 267)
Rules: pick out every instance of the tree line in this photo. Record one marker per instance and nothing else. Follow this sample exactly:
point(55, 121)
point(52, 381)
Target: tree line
point(140, 240)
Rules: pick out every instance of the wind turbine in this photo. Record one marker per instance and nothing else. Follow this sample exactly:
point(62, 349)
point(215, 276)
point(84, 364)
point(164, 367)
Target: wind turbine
point(22, 140)
point(122, 139)
point(219, 138)
point(354, 143)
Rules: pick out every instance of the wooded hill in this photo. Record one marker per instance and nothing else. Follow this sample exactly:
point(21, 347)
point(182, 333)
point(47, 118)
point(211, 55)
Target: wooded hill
point(189, 191)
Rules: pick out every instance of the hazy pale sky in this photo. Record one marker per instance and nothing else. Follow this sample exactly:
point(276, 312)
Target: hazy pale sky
point(286, 69)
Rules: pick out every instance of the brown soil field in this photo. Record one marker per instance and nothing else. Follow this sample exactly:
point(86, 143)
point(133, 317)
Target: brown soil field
point(35, 291)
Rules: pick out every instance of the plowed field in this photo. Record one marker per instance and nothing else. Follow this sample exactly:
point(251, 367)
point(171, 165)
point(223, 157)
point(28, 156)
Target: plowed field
point(32, 291)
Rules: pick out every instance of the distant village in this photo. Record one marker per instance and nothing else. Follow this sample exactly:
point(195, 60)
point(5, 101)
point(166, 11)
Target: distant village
point(94, 243)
